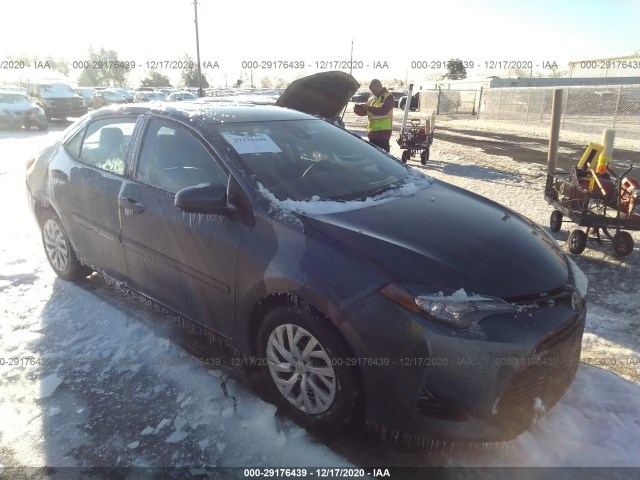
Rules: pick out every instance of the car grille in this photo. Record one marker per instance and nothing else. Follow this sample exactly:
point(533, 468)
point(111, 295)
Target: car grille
point(549, 371)
point(558, 295)
point(66, 103)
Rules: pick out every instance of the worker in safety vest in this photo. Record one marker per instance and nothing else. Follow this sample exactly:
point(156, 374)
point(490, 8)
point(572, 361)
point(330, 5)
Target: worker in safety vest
point(379, 109)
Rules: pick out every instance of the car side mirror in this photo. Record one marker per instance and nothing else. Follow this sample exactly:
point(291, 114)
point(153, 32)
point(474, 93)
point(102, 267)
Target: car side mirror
point(204, 198)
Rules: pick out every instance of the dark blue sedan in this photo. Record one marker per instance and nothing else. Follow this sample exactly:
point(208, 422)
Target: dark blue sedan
point(359, 287)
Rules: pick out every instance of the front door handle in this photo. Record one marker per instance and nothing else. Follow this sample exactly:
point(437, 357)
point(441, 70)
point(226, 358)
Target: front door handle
point(131, 205)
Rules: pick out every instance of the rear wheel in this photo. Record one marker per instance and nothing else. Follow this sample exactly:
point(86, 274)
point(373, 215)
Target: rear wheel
point(306, 367)
point(424, 157)
point(577, 241)
point(406, 156)
point(59, 251)
point(555, 221)
point(622, 243)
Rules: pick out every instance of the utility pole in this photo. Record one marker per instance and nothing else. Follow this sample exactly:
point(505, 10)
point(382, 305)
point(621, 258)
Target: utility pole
point(351, 62)
point(195, 8)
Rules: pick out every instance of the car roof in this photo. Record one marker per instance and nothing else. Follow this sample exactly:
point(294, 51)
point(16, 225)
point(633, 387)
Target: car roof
point(207, 113)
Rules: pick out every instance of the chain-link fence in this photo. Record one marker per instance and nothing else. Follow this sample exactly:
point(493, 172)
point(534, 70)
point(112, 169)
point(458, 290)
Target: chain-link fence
point(585, 109)
point(449, 102)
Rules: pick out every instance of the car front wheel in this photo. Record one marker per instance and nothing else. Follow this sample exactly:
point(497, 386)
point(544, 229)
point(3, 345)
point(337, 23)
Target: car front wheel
point(307, 367)
point(59, 251)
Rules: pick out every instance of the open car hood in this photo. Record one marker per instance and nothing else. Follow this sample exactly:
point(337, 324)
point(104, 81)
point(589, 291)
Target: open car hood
point(323, 94)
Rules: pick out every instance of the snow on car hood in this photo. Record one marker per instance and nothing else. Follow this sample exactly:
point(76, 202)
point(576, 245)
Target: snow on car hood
point(414, 182)
point(448, 237)
point(323, 94)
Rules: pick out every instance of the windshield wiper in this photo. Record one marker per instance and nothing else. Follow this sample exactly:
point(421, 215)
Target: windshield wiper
point(368, 193)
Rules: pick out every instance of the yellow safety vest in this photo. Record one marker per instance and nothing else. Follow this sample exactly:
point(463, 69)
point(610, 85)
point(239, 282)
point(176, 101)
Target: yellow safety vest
point(379, 122)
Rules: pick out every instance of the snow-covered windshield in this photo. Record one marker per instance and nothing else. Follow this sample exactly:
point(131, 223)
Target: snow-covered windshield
point(56, 90)
point(305, 159)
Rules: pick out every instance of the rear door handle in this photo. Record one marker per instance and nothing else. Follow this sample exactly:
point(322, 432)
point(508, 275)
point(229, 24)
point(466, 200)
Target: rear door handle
point(59, 175)
point(131, 205)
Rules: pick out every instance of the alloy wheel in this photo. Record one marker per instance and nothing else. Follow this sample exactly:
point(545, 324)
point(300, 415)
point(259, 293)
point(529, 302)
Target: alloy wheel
point(301, 369)
point(56, 245)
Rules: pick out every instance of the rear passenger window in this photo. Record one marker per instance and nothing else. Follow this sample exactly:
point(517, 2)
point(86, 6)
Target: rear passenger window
point(103, 144)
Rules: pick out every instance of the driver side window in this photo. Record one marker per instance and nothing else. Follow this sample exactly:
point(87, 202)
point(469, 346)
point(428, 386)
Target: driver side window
point(172, 159)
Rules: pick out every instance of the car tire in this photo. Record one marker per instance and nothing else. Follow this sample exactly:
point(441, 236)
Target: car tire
point(622, 244)
point(329, 396)
point(555, 221)
point(59, 251)
point(43, 128)
point(577, 241)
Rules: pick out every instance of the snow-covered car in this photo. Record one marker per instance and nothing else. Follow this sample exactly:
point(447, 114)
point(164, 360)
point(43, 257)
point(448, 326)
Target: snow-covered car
point(58, 100)
point(353, 284)
point(17, 110)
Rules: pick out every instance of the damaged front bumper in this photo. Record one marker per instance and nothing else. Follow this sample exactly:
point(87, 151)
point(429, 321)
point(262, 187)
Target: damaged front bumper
point(486, 384)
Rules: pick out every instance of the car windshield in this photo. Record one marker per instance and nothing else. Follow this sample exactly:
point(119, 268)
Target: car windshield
point(56, 90)
point(156, 96)
point(305, 159)
point(111, 95)
point(13, 98)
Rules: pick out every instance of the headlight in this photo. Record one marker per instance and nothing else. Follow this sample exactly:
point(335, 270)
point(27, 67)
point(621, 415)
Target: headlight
point(458, 309)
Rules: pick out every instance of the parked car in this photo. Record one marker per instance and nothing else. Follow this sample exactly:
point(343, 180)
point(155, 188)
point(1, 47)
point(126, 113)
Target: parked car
point(103, 98)
point(125, 93)
point(17, 110)
point(57, 100)
point(296, 241)
point(415, 101)
point(149, 97)
point(361, 97)
point(87, 94)
point(397, 95)
point(181, 96)
point(14, 89)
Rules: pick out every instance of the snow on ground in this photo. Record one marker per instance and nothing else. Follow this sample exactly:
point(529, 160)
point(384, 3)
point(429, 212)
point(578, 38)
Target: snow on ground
point(83, 382)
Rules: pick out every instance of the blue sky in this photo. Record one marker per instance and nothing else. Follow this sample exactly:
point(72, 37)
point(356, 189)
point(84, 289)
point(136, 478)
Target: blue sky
point(236, 31)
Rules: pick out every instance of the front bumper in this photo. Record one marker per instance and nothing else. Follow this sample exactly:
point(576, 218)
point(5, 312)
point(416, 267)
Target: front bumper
point(67, 112)
point(432, 381)
point(26, 120)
